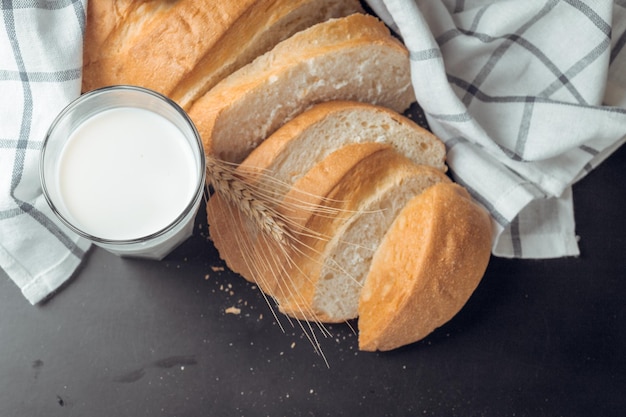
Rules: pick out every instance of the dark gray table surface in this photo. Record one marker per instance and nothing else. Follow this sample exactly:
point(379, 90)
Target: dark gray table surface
point(143, 338)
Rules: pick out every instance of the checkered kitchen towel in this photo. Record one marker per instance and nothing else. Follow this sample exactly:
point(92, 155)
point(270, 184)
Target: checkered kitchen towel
point(40, 72)
point(529, 96)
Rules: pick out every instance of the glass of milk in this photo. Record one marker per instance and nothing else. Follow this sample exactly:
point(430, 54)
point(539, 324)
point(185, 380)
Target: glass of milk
point(124, 167)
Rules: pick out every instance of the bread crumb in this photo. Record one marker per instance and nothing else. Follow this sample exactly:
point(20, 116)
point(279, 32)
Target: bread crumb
point(232, 310)
point(293, 345)
point(217, 268)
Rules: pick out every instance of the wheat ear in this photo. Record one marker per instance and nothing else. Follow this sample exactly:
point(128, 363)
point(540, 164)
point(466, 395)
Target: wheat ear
point(256, 198)
point(226, 181)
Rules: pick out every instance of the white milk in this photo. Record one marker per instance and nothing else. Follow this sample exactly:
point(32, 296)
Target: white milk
point(126, 173)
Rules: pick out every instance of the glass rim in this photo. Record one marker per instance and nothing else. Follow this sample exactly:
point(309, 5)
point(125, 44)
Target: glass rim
point(199, 189)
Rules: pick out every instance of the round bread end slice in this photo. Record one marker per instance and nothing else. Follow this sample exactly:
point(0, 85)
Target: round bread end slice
point(428, 265)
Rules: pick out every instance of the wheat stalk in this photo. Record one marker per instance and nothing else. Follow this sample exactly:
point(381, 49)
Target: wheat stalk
point(257, 196)
point(238, 190)
point(242, 191)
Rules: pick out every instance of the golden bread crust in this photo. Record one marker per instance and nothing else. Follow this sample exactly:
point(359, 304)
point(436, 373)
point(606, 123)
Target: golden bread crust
point(428, 265)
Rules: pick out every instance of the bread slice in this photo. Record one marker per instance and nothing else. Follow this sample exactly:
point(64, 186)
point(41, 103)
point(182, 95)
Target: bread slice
point(308, 138)
point(183, 48)
point(257, 31)
point(326, 277)
point(429, 263)
point(246, 249)
point(350, 58)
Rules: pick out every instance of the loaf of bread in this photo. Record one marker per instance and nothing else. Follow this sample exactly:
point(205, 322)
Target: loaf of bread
point(429, 263)
point(350, 58)
point(183, 48)
point(305, 98)
point(345, 178)
point(386, 254)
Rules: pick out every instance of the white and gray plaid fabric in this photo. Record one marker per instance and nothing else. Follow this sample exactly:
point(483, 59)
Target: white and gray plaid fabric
point(529, 96)
point(40, 72)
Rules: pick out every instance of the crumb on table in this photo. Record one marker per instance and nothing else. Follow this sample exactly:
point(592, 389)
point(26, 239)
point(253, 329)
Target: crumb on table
point(232, 310)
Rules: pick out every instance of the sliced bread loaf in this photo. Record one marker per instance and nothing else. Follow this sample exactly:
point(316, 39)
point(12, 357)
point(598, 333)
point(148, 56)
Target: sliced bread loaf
point(315, 142)
point(350, 58)
point(429, 263)
point(333, 260)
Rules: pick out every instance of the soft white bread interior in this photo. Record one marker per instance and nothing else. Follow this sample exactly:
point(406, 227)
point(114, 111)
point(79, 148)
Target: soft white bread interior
point(350, 58)
point(429, 263)
point(183, 48)
point(327, 273)
point(299, 144)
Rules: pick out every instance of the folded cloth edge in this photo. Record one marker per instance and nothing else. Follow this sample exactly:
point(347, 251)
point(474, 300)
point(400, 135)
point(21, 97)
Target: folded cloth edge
point(37, 288)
